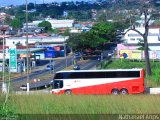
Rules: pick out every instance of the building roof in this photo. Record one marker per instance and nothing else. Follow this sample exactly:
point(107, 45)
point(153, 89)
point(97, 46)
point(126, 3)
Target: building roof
point(135, 44)
point(31, 50)
point(18, 47)
point(23, 49)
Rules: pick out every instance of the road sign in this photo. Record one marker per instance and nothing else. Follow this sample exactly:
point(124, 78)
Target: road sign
point(13, 59)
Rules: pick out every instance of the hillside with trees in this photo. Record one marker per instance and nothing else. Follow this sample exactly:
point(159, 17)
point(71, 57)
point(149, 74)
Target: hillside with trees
point(80, 11)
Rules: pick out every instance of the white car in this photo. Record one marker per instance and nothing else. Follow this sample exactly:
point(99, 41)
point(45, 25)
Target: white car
point(110, 54)
point(23, 87)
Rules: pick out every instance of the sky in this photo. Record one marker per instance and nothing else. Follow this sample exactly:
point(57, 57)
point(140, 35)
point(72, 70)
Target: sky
point(20, 2)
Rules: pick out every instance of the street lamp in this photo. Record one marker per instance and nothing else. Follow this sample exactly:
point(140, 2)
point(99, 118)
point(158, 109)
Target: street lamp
point(65, 50)
point(27, 46)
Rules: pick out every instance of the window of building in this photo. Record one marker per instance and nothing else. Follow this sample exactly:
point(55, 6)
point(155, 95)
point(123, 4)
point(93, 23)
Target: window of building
point(139, 39)
point(132, 39)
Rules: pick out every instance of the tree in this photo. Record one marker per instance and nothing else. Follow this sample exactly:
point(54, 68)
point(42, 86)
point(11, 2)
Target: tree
point(102, 17)
point(55, 31)
point(82, 42)
point(47, 25)
point(105, 31)
point(16, 24)
point(90, 40)
point(7, 19)
point(156, 23)
point(121, 25)
point(66, 32)
point(100, 34)
point(147, 11)
point(74, 42)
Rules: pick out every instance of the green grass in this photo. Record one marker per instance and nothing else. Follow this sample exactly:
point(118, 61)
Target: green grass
point(85, 104)
point(152, 81)
point(89, 104)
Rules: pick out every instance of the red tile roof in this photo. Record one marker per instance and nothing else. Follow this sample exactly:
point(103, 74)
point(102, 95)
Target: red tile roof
point(158, 26)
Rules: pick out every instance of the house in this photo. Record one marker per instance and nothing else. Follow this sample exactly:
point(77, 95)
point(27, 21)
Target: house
point(82, 27)
point(12, 41)
point(131, 40)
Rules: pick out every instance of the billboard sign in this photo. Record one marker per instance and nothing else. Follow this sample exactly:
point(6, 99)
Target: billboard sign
point(131, 54)
point(13, 59)
point(136, 54)
point(126, 54)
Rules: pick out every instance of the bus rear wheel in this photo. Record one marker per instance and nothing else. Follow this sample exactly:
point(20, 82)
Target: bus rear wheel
point(115, 91)
point(124, 91)
point(68, 92)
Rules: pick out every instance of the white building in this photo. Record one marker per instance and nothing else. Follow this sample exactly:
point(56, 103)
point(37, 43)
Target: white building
point(11, 41)
point(130, 45)
point(132, 37)
point(55, 23)
point(61, 23)
point(33, 24)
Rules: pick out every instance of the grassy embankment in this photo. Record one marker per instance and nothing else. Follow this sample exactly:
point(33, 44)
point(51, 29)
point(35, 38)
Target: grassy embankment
point(89, 104)
point(151, 81)
point(85, 104)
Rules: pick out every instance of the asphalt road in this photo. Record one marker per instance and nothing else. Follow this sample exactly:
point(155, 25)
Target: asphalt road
point(59, 64)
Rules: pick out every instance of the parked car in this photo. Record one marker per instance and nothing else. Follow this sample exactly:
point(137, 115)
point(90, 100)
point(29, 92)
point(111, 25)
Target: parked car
point(76, 67)
point(77, 53)
point(110, 54)
point(49, 67)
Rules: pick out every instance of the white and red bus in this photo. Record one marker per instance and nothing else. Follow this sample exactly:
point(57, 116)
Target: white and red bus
point(113, 81)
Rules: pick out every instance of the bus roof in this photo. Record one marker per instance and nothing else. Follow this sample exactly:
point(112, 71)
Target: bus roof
point(133, 69)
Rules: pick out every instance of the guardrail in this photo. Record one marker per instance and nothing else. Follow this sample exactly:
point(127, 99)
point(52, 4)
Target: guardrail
point(152, 90)
point(104, 62)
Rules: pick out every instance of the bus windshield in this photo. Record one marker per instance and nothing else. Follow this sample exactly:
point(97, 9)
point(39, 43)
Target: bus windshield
point(57, 84)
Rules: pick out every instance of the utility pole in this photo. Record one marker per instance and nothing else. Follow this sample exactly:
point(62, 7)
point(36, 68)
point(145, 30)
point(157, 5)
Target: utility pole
point(53, 65)
point(4, 86)
point(27, 46)
point(65, 53)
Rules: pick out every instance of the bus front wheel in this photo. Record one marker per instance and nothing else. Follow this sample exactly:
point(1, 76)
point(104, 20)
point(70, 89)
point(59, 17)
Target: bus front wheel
point(68, 92)
point(124, 91)
point(115, 91)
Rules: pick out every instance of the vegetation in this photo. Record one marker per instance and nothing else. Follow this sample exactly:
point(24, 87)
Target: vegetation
point(100, 34)
point(105, 31)
point(83, 41)
point(95, 105)
point(151, 81)
point(15, 24)
point(39, 103)
point(80, 11)
point(47, 26)
point(148, 15)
